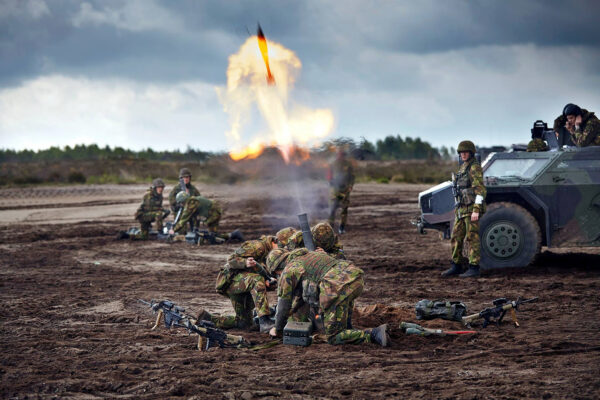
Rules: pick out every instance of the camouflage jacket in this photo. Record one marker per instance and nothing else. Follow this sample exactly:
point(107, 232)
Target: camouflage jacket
point(321, 280)
point(470, 185)
point(193, 191)
point(194, 207)
point(341, 175)
point(297, 242)
point(588, 133)
point(151, 202)
point(257, 249)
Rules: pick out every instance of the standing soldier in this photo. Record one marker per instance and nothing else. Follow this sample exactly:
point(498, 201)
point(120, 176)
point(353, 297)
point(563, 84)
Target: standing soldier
point(328, 285)
point(242, 280)
point(471, 195)
point(151, 210)
point(341, 180)
point(185, 176)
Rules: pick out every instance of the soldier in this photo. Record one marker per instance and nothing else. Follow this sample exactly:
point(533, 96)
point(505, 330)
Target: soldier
point(284, 235)
point(323, 237)
point(582, 125)
point(151, 210)
point(341, 180)
point(328, 285)
point(195, 207)
point(536, 145)
point(471, 191)
point(185, 175)
point(241, 281)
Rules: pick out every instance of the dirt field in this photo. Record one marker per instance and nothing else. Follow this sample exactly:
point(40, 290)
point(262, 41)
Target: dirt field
point(71, 326)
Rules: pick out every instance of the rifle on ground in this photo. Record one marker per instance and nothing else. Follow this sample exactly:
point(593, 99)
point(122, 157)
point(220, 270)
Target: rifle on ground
point(207, 332)
point(496, 314)
point(415, 329)
point(306, 233)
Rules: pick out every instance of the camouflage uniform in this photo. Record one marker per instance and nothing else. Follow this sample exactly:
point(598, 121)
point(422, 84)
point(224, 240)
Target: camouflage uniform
point(244, 286)
point(297, 242)
point(536, 145)
point(326, 284)
point(563, 136)
point(470, 183)
point(284, 235)
point(149, 211)
point(196, 207)
point(588, 133)
point(191, 189)
point(341, 180)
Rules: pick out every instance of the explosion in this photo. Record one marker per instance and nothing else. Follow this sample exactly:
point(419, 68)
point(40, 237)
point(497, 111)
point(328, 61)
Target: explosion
point(261, 113)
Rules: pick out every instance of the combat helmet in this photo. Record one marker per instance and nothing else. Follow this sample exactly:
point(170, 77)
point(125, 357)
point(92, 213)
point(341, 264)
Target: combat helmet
point(466, 145)
point(181, 197)
point(323, 236)
point(283, 236)
point(158, 183)
point(185, 172)
point(275, 259)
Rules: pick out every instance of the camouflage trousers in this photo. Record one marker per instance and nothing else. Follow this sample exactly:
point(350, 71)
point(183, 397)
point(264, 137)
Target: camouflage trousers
point(465, 229)
point(146, 219)
point(335, 318)
point(339, 199)
point(247, 292)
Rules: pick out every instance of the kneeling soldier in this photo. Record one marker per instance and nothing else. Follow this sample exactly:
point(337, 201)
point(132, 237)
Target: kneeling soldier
point(327, 284)
point(195, 207)
point(151, 210)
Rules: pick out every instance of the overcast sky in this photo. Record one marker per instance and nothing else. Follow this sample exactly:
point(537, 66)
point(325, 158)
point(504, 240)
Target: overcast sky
point(144, 73)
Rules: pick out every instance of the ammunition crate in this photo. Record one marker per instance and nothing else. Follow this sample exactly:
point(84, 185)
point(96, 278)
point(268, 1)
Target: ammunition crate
point(297, 333)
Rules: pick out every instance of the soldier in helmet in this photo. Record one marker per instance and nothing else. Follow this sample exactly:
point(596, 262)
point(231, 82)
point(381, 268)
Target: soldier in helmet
point(536, 145)
point(243, 281)
point(341, 180)
point(194, 208)
point(330, 286)
point(151, 210)
point(284, 235)
point(471, 191)
point(579, 126)
point(323, 238)
point(185, 177)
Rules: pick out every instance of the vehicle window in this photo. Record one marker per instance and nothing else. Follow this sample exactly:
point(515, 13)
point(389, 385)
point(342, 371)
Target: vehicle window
point(525, 168)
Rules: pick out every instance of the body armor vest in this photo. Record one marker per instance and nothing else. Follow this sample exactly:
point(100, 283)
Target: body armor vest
point(463, 182)
point(317, 265)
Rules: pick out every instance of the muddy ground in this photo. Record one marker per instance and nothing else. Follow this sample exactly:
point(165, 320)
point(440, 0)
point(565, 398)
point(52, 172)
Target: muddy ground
point(71, 326)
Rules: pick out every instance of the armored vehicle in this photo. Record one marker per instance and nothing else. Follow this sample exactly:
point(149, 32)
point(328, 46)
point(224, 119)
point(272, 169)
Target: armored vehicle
point(533, 199)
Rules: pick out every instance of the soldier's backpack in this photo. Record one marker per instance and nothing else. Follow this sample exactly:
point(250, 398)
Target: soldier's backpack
point(431, 309)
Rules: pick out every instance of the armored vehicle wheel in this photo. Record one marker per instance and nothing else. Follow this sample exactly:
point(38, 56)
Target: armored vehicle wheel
point(510, 236)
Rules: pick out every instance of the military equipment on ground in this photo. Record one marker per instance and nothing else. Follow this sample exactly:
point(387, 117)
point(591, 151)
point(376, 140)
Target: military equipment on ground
point(198, 236)
point(449, 310)
point(496, 314)
point(208, 335)
point(415, 329)
point(306, 233)
point(297, 333)
point(533, 199)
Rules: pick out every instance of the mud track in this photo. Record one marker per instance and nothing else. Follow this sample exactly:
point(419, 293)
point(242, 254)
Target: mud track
point(71, 326)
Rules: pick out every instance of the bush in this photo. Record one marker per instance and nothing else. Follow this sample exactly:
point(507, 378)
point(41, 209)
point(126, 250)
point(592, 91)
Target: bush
point(76, 177)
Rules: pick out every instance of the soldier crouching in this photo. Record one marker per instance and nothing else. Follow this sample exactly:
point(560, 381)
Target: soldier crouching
point(151, 210)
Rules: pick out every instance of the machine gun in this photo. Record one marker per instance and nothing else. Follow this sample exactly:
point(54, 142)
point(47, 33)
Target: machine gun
point(540, 131)
point(496, 314)
point(208, 335)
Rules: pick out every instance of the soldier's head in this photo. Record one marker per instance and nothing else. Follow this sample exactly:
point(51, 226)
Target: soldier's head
point(571, 112)
point(323, 236)
point(466, 149)
point(269, 241)
point(158, 185)
point(186, 175)
point(181, 197)
point(283, 236)
point(276, 260)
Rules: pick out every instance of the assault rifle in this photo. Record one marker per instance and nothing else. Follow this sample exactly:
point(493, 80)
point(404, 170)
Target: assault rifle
point(415, 329)
point(455, 192)
point(174, 315)
point(496, 314)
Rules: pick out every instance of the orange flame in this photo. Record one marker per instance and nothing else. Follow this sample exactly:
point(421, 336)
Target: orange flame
point(262, 45)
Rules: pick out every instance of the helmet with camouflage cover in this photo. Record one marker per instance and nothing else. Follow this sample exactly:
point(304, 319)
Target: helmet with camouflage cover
point(323, 236)
point(158, 183)
point(185, 172)
point(283, 236)
point(537, 144)
point(466, 145)
point(181, 197)
point(276, 258)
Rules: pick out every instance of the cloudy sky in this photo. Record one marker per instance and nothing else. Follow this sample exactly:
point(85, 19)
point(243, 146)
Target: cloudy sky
point(144, 73)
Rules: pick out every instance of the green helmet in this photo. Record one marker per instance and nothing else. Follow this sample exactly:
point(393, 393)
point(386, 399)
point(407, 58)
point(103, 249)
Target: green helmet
point(276, 258)
point(537, 145)
point(466, 145)
point(283, 236)
point(158, 183)
point(323, 236)
point(185, 172)
point(181, 197)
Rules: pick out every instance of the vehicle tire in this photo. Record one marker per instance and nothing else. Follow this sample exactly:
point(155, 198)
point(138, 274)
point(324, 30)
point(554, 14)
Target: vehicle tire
point(510, 236)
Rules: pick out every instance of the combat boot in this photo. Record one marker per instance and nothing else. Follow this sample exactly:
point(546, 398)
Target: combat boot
point(122, 235)
point(204, 315)
point(455, 269)
point(265, 323)
point(342, 229)
point(236, 235)
point(380, 336)
point(472, 272)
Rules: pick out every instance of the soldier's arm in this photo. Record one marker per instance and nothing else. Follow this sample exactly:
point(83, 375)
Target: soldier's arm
point(194, 191)
point(172, 201)
point(589, 134)
point(238, 259)
point(186, 214)
point(478, 187)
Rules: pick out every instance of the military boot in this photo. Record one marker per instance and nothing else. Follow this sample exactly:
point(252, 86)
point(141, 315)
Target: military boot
point(236, 235)
point(204, 315)
point(380, 336)
point(342, 229)
point(122, 235)
point(472, 272)
point(265, 323)
point(455, 269)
